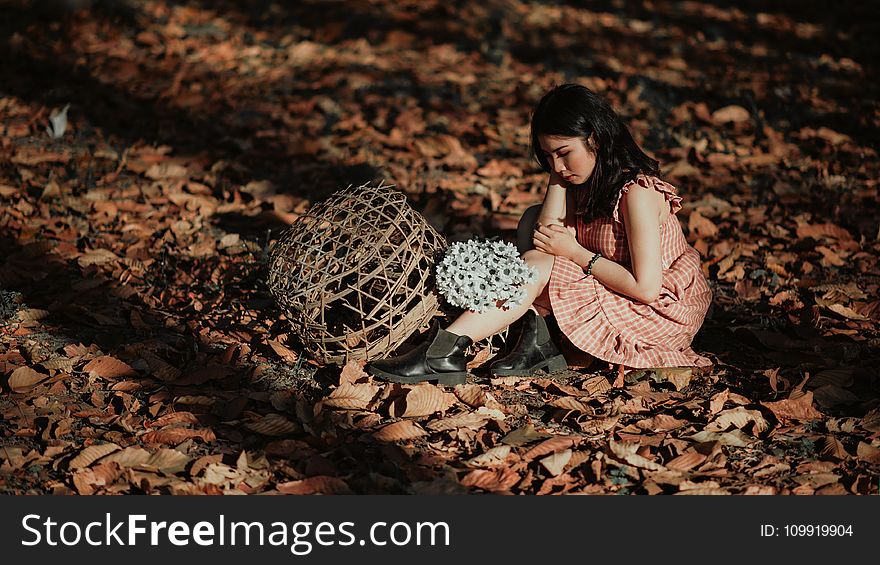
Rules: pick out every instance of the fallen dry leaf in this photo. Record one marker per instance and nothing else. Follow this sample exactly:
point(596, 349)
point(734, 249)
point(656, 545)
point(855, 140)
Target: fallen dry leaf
point(800, 408)
point(350, 396)
point(399, 431)
point(91, 454)
point(25, 379)
point(426, 399)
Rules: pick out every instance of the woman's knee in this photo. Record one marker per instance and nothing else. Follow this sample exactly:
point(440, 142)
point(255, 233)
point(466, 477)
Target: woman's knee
point(542, 262)
point(525, 231)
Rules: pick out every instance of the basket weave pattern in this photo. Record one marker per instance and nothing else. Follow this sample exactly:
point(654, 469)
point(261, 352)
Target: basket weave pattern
point(354, 274)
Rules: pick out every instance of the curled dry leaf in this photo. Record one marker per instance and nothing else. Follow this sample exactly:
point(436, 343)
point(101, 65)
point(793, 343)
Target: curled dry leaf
point(107, 367)
point(166, 460)
point(289, 356)
point(399, 431)
point(173, 418)
point(424, 400)
point(88, 481)
point(160, 368)
point(596, 385)
point(686, 461)
point(31, 314)
point(737, 417)
point(571, 403)
point(91, 454)
point(132, 456)
point(471, 394)
point(551, 445)
point(352, 396)
point(626, 451)
point(25, 379)
point(799, 408)
point(97, 257)
point(59, 364)
point(496, 480)
point(352, 372)
point(273, 424)
point(320, 484)
point(661, 423)
point(469, 420)
point(176, 436)
point(556, 462)
point(832, 447)
point(491, 458)
point(868, 453)
point(732, 113)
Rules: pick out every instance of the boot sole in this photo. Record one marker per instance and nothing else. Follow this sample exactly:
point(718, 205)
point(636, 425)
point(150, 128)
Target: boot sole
point(450, 379)
point(552, 365)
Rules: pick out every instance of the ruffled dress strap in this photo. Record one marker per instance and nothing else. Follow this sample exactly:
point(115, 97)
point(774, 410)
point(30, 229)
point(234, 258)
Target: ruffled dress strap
point(667, 190)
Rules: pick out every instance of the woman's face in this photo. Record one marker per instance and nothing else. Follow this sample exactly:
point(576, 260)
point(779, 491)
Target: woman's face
point(569, 157)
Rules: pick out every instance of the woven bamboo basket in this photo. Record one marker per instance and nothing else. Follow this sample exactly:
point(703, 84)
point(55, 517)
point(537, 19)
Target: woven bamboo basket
point(354, 274)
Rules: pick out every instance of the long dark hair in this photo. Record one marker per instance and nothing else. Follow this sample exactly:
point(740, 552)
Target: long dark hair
point(572, 110)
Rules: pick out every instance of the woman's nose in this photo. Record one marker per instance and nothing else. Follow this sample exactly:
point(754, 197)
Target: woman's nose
point(558, 165)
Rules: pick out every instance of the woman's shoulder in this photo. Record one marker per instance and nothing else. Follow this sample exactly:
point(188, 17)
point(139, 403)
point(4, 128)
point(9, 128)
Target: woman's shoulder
point(650, 183)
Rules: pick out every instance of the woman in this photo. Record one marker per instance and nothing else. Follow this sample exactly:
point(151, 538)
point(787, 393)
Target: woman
point(613, 265)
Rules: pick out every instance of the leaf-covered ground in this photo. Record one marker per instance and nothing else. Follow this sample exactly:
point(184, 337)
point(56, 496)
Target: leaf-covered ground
point(141, 352)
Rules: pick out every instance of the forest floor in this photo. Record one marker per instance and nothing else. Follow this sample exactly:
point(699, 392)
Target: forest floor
point(140, 348)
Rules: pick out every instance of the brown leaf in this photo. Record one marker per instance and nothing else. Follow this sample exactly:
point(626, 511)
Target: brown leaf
point(661, 423)
point(399, 431)
point(160, 368)
point(686, 461)
point(286, 354)
point(732, 113)
point(167, 461)
point(551, 445)
point(25, 379)
point(596, 385)
point(352, 372)
point(469, 420)
point(91, 454)
point(491, 458)
point(571, 403)
point(800, 408)
point(176, 436)
point(524, 435)
point(97, 257)
point(626, 451)
point(424, 400)
point(868, 453)
point(737, 417)
point(556, 462)
point(107, 367)
point(847, 312)
point(273, 424)
point(349, 396)
point(832, 447)
point(89, 480)
point(471, 394)
point(319, 484)
point(499, 479)
point(701, 227)
point(132, 456)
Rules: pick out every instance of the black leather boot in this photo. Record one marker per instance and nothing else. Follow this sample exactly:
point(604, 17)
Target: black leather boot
point(534, 350)
point(441, 358)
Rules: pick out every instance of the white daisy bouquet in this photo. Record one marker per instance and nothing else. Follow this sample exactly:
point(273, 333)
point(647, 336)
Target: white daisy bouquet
point(477, 274)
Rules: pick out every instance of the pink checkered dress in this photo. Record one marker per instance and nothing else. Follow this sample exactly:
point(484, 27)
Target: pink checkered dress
point(619, 329)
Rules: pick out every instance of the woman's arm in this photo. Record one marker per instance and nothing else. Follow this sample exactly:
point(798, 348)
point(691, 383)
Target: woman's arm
point(553, 210)
point(641, 219)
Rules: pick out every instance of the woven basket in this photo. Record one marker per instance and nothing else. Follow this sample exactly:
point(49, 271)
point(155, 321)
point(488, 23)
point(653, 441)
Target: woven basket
point(354, 274)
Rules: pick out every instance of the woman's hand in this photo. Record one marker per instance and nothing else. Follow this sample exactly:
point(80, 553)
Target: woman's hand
point(556, 239)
